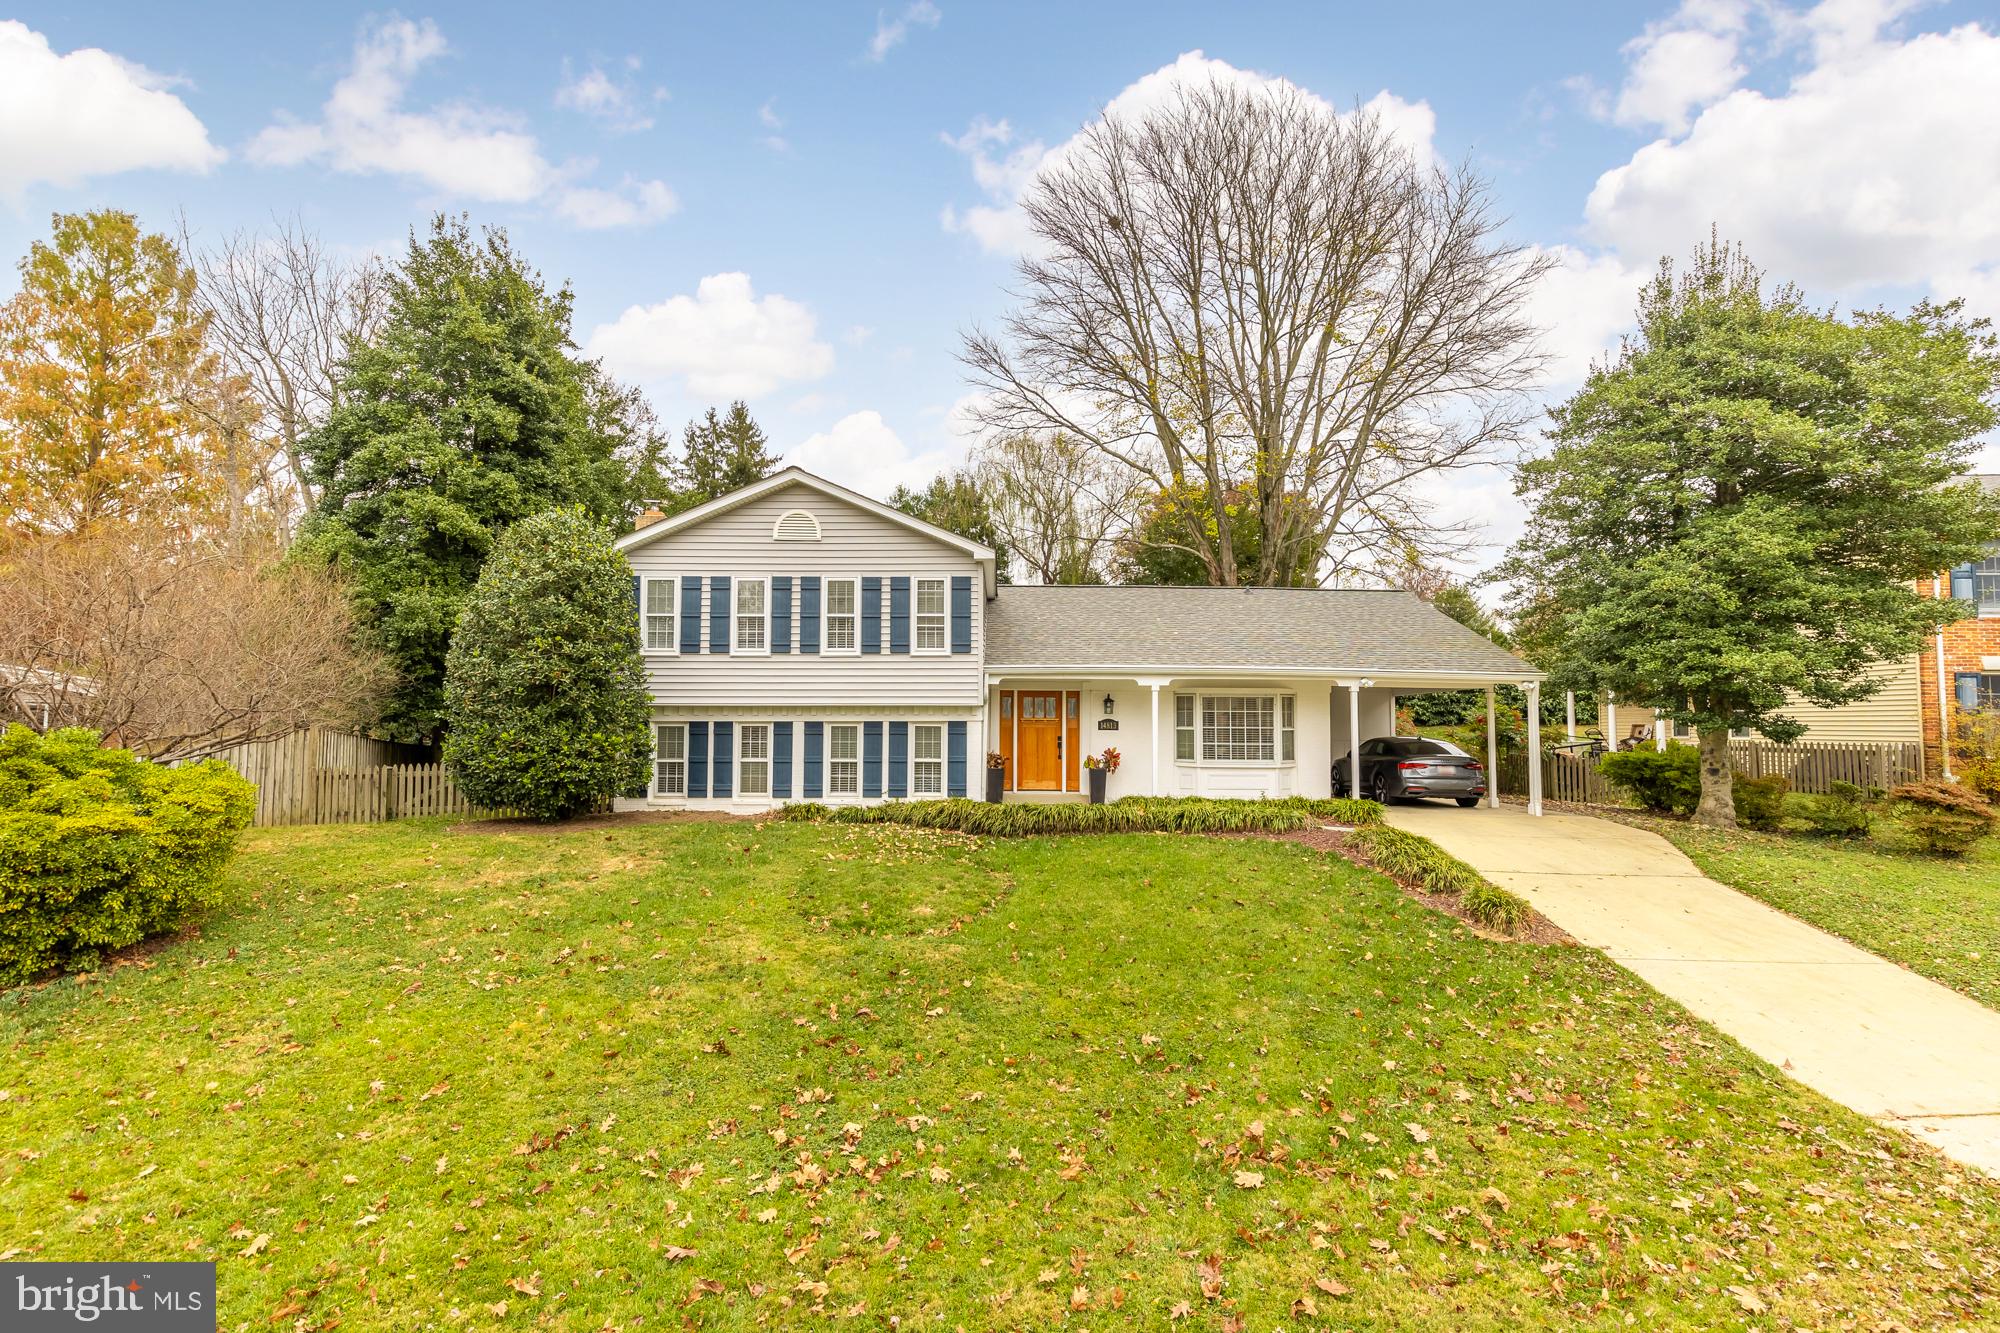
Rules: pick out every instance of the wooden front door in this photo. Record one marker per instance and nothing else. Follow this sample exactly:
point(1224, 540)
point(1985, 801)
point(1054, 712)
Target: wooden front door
point(1039, 755)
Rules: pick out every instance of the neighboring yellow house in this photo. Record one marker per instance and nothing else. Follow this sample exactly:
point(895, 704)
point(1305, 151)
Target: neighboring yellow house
point(1893, 714)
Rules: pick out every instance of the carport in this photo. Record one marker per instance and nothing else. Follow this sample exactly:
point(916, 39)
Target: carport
point(1360, 704)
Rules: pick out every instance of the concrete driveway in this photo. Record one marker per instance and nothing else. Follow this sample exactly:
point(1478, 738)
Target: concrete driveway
point(1863, 1031)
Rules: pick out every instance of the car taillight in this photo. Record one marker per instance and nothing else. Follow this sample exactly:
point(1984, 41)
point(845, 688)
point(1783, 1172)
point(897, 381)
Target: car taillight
point(1474, 765)
point(1412, 763)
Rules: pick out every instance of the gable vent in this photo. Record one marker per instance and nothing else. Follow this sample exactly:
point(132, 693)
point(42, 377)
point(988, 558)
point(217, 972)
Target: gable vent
point(795, 525)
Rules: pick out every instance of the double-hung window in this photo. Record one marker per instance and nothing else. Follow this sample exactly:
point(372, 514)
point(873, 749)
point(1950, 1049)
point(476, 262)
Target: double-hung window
point(753, 759)
point(1184, 728)
point(1986, 692)
point(670, 769)
point(752, 616)
point(843, 759)
point(932, 621)
point(926, 759)
point(658, 619)
point(1287, 729)
point(843, 602)
point(1986, 584)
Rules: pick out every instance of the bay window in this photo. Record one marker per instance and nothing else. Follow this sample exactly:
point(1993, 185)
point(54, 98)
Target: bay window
point(1235, 728)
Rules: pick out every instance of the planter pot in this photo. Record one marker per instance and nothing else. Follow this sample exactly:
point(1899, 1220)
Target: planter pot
point(994, 778)
point(1097, 779)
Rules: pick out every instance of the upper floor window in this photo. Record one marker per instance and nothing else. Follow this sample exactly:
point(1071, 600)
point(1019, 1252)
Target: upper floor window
point(933, 628)
point(842, 616)
point(1986, 584)
point(752, 600)
point(659, 616)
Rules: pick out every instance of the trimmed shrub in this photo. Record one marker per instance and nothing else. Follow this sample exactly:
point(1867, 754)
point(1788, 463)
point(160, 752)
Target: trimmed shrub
point(1760, 802)
point(1664, 781)
point(1841, 813)
point(1945, 818)
point(1408, 856)
point(100, 849)
point(1130, 814)
point(545, 696)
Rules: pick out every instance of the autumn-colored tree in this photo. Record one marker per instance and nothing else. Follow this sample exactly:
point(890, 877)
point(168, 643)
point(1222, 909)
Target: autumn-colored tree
point(104, 371)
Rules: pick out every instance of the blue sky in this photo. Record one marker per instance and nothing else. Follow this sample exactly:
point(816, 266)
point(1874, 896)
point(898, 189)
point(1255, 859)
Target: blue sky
point(805, 204)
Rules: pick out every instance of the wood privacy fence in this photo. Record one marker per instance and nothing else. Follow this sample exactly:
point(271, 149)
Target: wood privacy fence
point(334, 777)
point(1811, 767)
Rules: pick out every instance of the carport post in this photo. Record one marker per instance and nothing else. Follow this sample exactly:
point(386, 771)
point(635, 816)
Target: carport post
point(1492, 753)
point(1569, 715)
point(1354, 738)
point(1533, 689)
point(1659, 731)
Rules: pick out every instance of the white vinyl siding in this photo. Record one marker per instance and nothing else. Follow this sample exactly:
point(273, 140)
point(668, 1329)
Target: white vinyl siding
point(753, 759)
point(843, 616)
point(932, 627)
point(926, 760)
point(659, 623)
point(843, 759)
point(670, 759)
point(753, 616)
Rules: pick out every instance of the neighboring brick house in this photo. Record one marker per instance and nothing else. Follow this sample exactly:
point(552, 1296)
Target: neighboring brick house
point(1960, 666)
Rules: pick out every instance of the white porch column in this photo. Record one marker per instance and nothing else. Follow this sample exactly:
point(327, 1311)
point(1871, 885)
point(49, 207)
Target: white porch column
point(1533, 689)
point(1354, 738)
point(1492, 753)
point(1659, 732)
point(1569, 715)
point(1158, 765)
point(1610, 720)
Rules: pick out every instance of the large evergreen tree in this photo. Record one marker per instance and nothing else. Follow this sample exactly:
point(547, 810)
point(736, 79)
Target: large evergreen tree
point(720, 453)
point(468, 411)
point(545, 696)
point(1739, 505)
point(956, 502)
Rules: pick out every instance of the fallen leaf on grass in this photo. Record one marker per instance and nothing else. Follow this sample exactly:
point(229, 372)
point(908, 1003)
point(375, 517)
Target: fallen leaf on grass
point(1248, 1180)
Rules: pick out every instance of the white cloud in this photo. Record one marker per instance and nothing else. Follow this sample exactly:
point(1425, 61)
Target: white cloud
point(862, 452)
point(892, 32)
point(725, 341)
point(1582, 305)
point(613, 99)
point(1872, 169)
point(768, 117)
point(1682, 64)
point(468, 151)
point(1004, 167)
point(88, 113)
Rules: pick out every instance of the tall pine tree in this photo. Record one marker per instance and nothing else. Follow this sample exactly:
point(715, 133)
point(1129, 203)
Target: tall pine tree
point(719, 454)
point(468, 412)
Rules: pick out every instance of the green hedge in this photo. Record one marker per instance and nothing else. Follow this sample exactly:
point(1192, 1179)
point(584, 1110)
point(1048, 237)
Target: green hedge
point(100, 849)
point(1132, 814)
point(1408, 856)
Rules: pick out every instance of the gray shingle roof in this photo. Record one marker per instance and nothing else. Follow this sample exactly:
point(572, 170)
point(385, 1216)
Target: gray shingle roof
point(1258, 629)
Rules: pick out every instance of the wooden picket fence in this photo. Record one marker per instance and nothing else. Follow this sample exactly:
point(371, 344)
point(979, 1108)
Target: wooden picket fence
point(1811, 766)
point(387, 791)
point(334, 777)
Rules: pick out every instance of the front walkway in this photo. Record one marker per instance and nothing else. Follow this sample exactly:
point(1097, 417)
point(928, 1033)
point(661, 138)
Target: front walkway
point(1859, 1029)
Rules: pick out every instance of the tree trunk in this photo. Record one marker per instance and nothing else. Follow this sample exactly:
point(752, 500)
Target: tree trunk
point(1718, 804)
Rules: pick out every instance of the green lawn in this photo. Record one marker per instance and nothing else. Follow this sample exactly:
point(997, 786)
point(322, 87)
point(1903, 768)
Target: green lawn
point(1935, 916)
point(717, 1075)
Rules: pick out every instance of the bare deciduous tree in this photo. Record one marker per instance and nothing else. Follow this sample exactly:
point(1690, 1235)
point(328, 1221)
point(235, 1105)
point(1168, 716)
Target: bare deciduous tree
point(176, 647)
point(283, 311)
point(1244, 293)
point(1060, 505)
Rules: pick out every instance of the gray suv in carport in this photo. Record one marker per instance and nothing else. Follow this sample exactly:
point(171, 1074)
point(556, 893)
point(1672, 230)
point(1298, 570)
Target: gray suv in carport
point(1395, 768)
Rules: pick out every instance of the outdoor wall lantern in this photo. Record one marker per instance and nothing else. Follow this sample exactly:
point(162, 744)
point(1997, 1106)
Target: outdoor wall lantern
point(1107, 705)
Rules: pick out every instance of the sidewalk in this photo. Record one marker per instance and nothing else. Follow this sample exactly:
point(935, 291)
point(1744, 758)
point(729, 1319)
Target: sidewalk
point(1863, 1031)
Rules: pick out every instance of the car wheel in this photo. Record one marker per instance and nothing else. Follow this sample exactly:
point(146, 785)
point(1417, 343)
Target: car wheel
point(1467, 802)
point(1379, 789)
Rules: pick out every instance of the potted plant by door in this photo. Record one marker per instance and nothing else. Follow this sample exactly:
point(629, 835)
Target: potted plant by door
point(1100, 767)
point(996, 775)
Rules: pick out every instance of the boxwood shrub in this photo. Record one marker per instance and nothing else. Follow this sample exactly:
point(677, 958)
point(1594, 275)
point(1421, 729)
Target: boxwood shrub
point(1132, 814)
point(100, 849)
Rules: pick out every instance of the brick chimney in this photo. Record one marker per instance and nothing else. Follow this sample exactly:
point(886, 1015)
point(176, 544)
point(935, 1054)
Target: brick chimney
point(647, 519)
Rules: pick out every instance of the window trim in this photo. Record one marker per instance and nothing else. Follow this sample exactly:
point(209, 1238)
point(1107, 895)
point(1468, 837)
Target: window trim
point(828, 761)
point(736, 587)
point(939, 763)
point(917, 617)
point(743, 758)
point(826, 615)
point(1278, 730)
point(1983, 609)
point(659, 735)
point(673, 586)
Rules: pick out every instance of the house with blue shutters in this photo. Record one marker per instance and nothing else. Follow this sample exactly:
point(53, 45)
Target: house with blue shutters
point(803, 642)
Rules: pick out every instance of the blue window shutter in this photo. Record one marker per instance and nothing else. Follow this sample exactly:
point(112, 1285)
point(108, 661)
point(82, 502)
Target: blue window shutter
point(899, 759)
point(899, 615)
point(961, 613)
point(697, 759)
point(871, 615)
point(871, 759)
point(635, 594)
point(1962, 583)
point(954, 759)
point(690, 614)
point(1965, 684)
point(781, 613)
point(809, 786)
point(718, 613)
point(809, 614)
point(723, 760)
point(781, 761)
